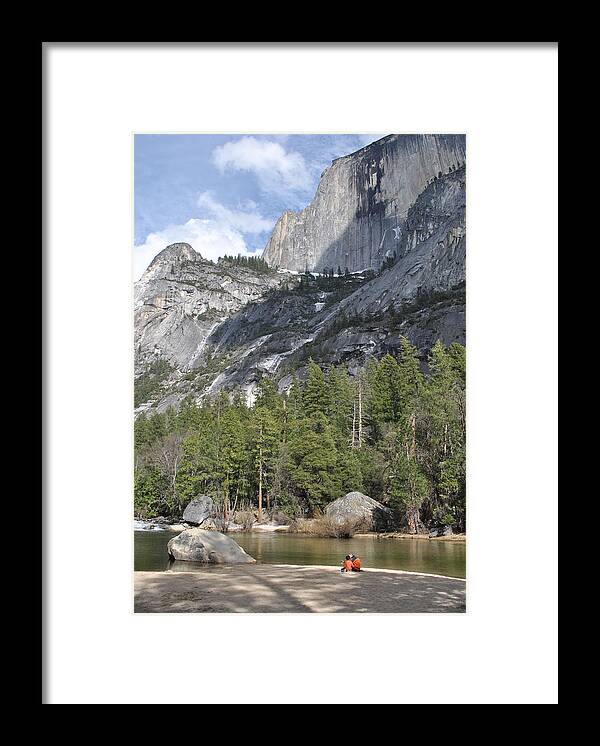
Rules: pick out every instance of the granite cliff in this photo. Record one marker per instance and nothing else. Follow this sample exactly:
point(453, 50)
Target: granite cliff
point(361, 204)
point(181, 298)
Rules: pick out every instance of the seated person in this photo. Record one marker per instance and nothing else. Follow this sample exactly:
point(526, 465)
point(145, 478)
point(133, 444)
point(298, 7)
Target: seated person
point(355, 563)
point(347, 564)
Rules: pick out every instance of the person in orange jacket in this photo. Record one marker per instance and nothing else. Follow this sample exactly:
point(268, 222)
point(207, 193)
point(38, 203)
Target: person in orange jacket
point(355, 563)
point(347, 564)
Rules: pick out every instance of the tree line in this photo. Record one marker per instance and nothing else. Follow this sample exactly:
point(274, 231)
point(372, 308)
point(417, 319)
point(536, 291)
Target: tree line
point(255, 263)
point(388, 430)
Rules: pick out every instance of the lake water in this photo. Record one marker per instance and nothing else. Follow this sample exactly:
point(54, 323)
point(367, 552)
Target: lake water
point(417, 555)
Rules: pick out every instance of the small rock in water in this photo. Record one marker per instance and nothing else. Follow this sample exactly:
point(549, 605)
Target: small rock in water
point(440, 531)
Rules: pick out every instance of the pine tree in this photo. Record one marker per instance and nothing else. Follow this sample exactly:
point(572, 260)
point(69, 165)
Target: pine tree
point(411, 385)
point(150, 489)
point(385, 393)
point(358, 412)
point(314, 395)
point(445, 432)
point(265, 440)
point(156, 427)
point(189, 415)
point(411, 376)
point(199, 471)
point(282, 489)
point(141, 431)
point(267, 395)
point(458, 362)
point(349, 470)
point(409, 490)
point(294, 399)
point(340, 401)
point(231, 458)
point(314, 460)
point(170, 420)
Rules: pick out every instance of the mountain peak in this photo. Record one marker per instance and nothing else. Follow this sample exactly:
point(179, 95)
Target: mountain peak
point(176, 252)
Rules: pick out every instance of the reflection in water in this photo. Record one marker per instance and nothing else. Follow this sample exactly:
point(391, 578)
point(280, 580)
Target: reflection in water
point(418, 555)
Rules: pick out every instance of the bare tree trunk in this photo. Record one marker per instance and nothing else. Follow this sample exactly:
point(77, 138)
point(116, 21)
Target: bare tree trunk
point(260, 479)
point(235, 502)
point(414, 520)
point(285, 418)
point(353, 442)
point(175, 502)
point(359, 413)
point(260, 491)
point(463, 414)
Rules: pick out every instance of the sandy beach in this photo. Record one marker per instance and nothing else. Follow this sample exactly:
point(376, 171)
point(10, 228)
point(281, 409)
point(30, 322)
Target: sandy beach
point(295, 588)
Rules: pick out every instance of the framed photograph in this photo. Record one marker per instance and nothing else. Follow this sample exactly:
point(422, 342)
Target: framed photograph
point(293, 419)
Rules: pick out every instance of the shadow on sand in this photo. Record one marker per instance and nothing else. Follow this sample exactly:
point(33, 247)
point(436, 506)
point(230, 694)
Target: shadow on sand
point(291, 588)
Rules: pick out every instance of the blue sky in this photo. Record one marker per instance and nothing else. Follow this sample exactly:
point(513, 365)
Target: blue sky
point(224, 193)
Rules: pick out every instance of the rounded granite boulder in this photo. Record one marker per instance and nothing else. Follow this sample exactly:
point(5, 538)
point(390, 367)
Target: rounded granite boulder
point(199, 510)
point(362, 510)
point(207, 547)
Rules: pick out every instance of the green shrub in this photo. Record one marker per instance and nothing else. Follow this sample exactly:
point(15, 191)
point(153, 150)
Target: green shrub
point(149, 382)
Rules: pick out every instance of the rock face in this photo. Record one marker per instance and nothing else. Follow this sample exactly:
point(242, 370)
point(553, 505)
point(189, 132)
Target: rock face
point(430, 254)
point(208, 547)
point(361, 204)
point(181, 298)
point(421, 296)
point(199, 510)
point(358, 507)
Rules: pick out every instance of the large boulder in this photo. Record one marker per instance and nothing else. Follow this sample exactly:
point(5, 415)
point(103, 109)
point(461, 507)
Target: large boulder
point(360, 509)
point(199, 510)
point(208, 547)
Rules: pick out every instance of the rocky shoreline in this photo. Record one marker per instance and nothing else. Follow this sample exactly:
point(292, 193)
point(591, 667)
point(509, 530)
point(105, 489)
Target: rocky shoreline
point(398, 535)
point(172, 524)
point(168, 524)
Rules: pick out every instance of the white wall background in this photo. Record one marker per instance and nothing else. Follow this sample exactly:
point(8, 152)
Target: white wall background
point(503, 649)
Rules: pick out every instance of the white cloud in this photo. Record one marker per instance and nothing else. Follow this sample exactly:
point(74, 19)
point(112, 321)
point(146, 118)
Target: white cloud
point(213, 237)
point(247, 221)
point(277, 169)
point(210, 238)
point(280, 171)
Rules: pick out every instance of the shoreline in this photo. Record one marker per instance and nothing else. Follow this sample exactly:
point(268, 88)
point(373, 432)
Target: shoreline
point(397, 535)
point(284, 529)
point(264, 588)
